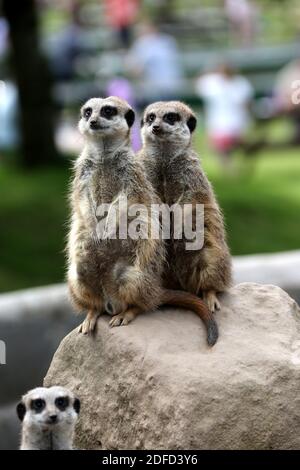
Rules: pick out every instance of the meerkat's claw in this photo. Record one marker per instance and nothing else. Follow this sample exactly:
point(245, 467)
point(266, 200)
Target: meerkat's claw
point(115, 321)
point(122, 319)
point(88, 326)
point(214, 305)
point(210, 297)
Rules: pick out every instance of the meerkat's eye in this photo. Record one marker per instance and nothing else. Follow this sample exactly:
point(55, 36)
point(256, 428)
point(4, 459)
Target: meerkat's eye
point(62, 403)
point(108, 112)
point(171, 118)
point(87, 112)
point(151, 118)
point(38, 405)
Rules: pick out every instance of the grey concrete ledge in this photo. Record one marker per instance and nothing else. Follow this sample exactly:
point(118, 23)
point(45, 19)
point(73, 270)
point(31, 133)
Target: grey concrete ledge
point(281, 269)
point(29, 302)
point(9, 427)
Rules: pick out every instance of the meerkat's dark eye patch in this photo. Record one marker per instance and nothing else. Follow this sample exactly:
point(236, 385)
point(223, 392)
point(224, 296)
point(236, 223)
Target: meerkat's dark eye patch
point(191, 123)
point(21, 410)
point(150, 118)
point(171, 118)
point(87, 112)
point(108, 112)
point(62, 403)
point(38, 405)
point(77, 405)
point(130, 117)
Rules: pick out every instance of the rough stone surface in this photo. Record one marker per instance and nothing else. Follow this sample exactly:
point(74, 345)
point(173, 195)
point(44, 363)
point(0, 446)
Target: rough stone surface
point(156, 385)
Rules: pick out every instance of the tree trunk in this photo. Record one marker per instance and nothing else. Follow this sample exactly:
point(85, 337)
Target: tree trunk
point(34, 83)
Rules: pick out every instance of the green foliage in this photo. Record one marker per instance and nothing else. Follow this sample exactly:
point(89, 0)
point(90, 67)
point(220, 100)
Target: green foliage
point(262, 206)
point(33, 217)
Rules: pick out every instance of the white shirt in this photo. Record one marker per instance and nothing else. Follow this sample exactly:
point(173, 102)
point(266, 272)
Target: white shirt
point(8, 110)
point(226, 100)
point(3, 36)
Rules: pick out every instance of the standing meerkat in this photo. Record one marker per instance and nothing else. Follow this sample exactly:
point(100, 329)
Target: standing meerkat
point(120, 276)
point(175, 172)
point(48, 417)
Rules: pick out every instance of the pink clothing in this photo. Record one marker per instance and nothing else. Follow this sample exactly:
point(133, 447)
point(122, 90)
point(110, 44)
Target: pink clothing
point(121, 13)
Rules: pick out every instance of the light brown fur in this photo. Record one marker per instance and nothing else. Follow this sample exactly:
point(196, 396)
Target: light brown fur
point(175, 172)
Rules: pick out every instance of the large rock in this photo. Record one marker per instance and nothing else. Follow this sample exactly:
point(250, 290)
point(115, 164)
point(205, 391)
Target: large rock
point(155, 384)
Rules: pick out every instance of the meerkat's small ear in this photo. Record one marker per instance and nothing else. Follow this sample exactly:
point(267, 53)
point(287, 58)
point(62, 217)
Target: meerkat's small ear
point(142, 122)
point(21, 410)
point(192, 123)
point(130, 117)
point(76, 405)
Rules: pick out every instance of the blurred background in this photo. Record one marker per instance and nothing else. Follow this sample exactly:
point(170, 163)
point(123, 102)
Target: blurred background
point(234, 61)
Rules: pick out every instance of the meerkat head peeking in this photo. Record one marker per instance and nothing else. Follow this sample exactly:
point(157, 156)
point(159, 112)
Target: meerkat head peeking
point(102, 118)
point(48, 418)
point(170, 122)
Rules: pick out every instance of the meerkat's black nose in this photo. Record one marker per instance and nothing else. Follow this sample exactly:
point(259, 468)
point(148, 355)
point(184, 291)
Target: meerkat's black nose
point(53, 418)
point(94, 124)
point(156, 129)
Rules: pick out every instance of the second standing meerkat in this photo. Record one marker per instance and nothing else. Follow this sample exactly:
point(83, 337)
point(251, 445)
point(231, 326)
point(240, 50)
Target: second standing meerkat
point(122, 276)
point(174, 170)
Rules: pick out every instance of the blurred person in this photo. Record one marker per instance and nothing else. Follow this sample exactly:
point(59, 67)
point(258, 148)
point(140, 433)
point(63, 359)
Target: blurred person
point(121, 14)
point(3, 36)
point(154, 58)
point(242, 16)
point(67, 45)
point(226, 97)
point(8, 115)
point(286, 91)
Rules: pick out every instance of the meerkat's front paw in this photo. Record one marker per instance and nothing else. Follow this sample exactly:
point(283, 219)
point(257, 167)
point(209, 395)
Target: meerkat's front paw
point(88, 326)
point(211, 299)
point(122, 319)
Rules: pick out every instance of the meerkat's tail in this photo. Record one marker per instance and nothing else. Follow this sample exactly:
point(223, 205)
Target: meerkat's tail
point(192, 302)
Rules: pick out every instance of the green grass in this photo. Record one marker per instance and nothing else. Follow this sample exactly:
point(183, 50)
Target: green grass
point(261, 203)
point(33, 215)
